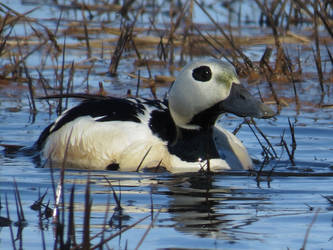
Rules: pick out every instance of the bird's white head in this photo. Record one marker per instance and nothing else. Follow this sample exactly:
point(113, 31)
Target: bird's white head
point(210, 87)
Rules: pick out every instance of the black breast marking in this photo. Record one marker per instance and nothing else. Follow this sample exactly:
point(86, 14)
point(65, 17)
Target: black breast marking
point(194, 144)
point(162, 125)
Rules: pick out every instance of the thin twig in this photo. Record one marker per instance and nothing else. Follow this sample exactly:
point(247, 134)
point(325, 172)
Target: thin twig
point(148, 229)
point(307, 233)
point(100, 244)
point(142, 160)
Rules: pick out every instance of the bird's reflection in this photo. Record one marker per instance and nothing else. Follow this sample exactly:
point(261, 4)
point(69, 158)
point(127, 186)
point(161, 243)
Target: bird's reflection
point(199, 205)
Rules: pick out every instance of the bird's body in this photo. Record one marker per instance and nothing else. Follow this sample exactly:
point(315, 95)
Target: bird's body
point(134, 133)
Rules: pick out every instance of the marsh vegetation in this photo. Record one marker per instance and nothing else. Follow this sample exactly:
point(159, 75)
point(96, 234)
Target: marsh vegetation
point(282, 51)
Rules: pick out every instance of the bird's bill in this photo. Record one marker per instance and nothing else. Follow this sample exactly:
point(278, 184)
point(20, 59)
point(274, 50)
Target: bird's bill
point(241, 103)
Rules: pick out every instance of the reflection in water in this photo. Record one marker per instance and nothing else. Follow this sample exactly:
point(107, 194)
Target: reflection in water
point(227, 207)
point(194, 204)
point(201, 208)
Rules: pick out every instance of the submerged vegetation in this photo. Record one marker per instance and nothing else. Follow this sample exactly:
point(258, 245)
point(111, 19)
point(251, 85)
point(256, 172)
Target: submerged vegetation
point(84, 47)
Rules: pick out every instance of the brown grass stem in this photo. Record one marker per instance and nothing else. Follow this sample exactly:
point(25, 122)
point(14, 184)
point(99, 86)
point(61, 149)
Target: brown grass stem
point(269, 74)
point(307, 233)
point(61, 80)
point(30, 86)
point(293, 138)
point(148, 229)
point(71, 239)
point(279, 63)
point(265, 137)
point(125, 35)
point(265, 150)
point(316, 52)
point(10, 226)
point(87, 211)
point(19, 209)
point(118, 233)
point(117, 200)
point(86, 33)
point(142, 160)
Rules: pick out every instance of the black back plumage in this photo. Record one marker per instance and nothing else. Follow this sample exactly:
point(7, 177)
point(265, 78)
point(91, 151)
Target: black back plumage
point(118, 109)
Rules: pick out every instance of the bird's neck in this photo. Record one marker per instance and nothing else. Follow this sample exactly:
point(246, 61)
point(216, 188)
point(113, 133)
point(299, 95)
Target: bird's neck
point(205, 120)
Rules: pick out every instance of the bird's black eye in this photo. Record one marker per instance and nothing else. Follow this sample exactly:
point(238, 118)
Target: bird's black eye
point(202, 74)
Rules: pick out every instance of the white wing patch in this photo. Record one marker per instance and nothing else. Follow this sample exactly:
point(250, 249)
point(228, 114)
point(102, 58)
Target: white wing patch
point(95, 145)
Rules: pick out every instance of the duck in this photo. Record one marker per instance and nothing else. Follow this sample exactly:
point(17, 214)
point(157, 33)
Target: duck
point(178, 133)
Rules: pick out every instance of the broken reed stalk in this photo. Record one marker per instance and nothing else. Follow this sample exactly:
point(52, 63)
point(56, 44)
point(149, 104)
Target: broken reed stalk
point(125, 35)
point(329, 55)
point(280, 55)
point(173, 27)
point(148, 229)
point(102, 233)
point(265, 57)
point(307, 233)
point(10, 225)
point(30, 86)
point(59, 196)
point(85, 28)
point(142, 160)
point(293, 138)
point(126, 7)
point(151, 82)
point(261, 170)
point(19, 209)
point(316, 52)
point(22, 60)
point(41, 226)
point(151, 201)
point(161, 50)
point(137, 52)
point(70, 82)
point(87, 212)
point(265, 137)
point(186, 41)
point(291, 154)
point(5, 38)
point(71, 240)
point(290, 75)
point(170, 43)
point(323, 15)
point(16, 16)
point(284, 144)
point(269, 74)
point(138, 84)
point(44, 83)
point(117, 200)
point(124, 229)
point(265, 150)
point(61, 80)
point(52, 36)
point(21, 223)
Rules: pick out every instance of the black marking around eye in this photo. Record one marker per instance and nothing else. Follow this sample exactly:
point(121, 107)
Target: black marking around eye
point(202, 74)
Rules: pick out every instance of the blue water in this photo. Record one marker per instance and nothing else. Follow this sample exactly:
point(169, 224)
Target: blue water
point(231, 210)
